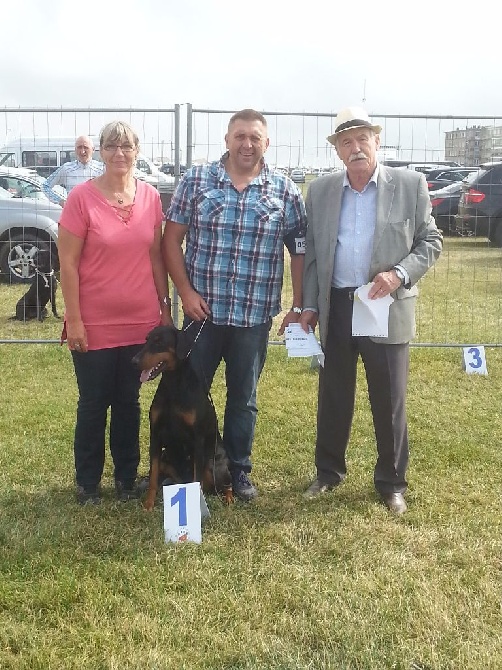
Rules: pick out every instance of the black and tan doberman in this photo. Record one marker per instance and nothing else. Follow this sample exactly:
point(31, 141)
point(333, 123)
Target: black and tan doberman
point(185, 444)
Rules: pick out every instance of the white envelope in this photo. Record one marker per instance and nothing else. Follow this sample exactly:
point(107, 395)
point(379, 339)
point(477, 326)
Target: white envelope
point(370, 317)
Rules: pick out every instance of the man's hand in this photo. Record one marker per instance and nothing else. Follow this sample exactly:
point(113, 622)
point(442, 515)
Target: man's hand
point(383, 284)
point(291, 317)
point(195, 306)
point(308, 318)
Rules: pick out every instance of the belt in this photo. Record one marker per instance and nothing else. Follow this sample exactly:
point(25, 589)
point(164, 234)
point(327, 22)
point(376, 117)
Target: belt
point(346, 292)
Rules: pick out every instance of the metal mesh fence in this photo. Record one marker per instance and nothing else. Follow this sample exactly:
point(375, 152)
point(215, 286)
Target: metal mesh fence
point(460, 299)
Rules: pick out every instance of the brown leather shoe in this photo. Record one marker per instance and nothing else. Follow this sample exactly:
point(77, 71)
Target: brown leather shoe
point(395, 502)
point(317, 487)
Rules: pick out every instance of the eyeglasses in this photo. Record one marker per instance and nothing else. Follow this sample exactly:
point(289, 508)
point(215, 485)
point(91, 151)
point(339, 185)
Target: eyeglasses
point(125, 148)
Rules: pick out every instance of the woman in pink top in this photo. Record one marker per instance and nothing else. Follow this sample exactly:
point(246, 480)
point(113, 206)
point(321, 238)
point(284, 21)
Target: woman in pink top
point(115, 290)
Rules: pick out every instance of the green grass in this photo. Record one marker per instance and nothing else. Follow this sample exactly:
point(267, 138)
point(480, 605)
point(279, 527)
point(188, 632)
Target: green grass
point(283, 583)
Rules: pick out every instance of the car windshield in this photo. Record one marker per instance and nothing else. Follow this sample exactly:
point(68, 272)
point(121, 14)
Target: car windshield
point(37, 179)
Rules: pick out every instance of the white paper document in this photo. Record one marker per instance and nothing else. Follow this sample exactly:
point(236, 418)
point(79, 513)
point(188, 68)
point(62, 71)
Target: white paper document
point(370, 317)
point(300, 343)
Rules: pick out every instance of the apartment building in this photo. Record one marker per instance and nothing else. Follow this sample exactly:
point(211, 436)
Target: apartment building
point(475, 145)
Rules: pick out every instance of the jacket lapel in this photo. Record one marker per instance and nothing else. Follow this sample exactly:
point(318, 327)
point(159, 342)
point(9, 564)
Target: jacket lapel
point(385, 197)
point(334, 206)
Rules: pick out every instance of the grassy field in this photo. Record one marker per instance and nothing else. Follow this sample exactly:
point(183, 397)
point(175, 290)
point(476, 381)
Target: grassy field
point(335, 583)
point(283, 583)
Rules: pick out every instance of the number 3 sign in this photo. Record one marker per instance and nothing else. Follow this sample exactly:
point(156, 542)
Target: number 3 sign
point(184, 507)
point(475, 360)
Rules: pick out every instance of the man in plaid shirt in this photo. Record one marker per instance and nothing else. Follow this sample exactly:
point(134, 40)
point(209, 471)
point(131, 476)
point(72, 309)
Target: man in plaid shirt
point(236, 215)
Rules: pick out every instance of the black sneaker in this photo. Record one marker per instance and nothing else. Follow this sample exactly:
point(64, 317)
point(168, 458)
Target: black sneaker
point(126, 491)
point(242, 486)
point(88, 496)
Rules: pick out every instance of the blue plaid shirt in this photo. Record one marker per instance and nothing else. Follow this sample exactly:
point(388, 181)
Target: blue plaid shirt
point(235, 240)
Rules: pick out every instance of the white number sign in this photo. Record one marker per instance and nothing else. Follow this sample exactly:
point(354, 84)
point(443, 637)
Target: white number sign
point(184, 508)
point(475, 360)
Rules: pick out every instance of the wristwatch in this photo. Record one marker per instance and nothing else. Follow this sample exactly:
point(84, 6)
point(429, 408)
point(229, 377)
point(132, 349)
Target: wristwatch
point(296, 310)
point(400, 275)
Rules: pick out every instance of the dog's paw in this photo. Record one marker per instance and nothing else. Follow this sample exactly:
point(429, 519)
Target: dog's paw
point(149, 503)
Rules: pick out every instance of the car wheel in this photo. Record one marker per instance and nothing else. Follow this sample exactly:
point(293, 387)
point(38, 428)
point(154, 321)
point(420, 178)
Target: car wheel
point(18, 258)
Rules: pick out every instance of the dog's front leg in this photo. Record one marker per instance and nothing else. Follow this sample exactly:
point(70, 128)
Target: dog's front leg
point(151, 494)
point(153, 483)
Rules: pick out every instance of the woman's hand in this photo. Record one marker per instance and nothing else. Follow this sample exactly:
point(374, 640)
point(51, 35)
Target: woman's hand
point(76, 336)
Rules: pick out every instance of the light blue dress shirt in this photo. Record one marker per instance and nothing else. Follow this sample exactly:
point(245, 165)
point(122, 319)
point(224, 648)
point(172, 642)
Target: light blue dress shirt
point(355, 234)
point(69, 175)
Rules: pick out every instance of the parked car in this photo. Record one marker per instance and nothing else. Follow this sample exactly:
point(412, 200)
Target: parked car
point(444, 176)
point(22, 185)
point(27, 226)
point(419, 167)
point(480, 205)
point(168, 168)
point(444, 203)
point(298, 175)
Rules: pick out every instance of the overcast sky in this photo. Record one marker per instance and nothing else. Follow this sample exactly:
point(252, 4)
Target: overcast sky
point(272, 55)
point(392, 57)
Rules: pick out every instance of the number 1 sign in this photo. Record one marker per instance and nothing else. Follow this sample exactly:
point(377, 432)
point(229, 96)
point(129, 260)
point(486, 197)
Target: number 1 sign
point(184, 505)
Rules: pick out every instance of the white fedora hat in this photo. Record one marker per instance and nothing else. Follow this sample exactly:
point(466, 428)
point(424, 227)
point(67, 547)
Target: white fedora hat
point(352, 117)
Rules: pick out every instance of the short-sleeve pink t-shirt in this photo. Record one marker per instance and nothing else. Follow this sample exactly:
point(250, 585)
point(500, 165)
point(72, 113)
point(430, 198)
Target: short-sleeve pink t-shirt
point(118, 299)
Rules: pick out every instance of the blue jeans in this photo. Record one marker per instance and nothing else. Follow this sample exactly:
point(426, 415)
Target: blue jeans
point(107, 378)
point(244, 351)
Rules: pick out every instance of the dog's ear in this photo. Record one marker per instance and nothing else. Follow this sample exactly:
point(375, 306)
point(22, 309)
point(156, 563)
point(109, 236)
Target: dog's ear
point(183, 344)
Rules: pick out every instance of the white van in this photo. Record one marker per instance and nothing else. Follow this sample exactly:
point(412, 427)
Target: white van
point(47, 154)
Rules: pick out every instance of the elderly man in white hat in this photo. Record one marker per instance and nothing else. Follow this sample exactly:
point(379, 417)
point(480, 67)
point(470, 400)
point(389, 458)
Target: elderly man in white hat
point(369, 223)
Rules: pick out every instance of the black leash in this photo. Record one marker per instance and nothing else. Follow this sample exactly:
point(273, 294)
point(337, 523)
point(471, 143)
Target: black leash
point(196, 337)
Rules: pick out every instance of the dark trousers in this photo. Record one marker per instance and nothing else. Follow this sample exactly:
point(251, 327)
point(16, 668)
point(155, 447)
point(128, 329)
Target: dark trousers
point(244, 351)
point(106, 379)
point(386, 367)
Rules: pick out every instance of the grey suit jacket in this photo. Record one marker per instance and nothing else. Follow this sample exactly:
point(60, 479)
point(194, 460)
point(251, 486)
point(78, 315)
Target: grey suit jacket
point(405, 234)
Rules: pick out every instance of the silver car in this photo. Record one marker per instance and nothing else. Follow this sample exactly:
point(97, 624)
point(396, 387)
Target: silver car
point(298, 175)
point(27, 226)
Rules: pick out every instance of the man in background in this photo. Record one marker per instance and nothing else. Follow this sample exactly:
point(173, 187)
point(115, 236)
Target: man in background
point(74, 172)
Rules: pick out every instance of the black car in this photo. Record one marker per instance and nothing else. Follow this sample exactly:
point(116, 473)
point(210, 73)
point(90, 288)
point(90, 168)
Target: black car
point(444, 203)
point(442, 177)
point(480, 205)
point(168, 168)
